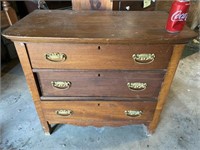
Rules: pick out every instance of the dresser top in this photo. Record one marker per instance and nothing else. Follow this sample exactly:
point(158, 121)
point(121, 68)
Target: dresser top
point(96, 27)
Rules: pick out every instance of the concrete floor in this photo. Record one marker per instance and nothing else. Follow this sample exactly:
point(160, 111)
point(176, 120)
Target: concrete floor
point(179, 127)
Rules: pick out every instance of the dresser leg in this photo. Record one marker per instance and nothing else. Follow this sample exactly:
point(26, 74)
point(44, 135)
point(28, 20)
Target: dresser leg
point(147, 131)
point(47, 128)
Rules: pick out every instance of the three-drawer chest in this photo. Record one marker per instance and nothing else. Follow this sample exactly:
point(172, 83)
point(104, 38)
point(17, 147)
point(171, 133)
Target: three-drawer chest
point(98, 68)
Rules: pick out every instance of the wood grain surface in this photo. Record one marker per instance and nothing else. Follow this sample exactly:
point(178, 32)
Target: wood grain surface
point(100, 83)
point(98, 113)
point(96, 27)
point(99, 56)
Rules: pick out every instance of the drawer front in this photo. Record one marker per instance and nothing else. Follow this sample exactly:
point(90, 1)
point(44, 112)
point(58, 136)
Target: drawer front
point(129, 84)
point(94, 56)
point(98, 111)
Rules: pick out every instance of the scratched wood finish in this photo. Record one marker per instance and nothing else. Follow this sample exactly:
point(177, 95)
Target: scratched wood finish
point(99, 83)
point(99, 56)
point(97, 111)
point(96, 27)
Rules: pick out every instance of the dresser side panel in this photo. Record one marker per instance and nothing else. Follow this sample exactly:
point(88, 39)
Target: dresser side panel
point(177, 52)
point(30, 79)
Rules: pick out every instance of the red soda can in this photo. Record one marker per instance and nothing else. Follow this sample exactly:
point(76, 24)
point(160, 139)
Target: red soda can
point(177, 15)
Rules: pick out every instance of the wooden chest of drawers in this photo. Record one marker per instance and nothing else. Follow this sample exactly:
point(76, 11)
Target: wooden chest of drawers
point(98, 68)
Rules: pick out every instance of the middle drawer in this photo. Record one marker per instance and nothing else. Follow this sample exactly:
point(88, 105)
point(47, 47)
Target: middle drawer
point(127, 84)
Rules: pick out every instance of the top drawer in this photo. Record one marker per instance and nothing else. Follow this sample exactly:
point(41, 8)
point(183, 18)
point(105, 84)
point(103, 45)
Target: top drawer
point(102, 56)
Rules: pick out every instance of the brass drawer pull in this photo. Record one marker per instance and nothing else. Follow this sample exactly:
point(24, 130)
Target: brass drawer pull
point(61, 84)
point(56, 57)
point(137, 86)
point(133, 113)
point(64, 112)
point(144, 58)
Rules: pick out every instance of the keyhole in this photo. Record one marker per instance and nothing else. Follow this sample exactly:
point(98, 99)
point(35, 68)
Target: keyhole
point(99, 47)
point(99, 75)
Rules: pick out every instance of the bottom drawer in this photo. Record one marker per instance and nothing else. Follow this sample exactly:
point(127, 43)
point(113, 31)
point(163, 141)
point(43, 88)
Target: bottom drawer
point(98, 113)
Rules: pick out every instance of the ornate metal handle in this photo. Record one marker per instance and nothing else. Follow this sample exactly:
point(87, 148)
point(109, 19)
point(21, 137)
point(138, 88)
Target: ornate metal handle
point(56, 57)
point(61, 84)
point(137, 86)
point(144, 58)
point(63, 112)
point(133, 113)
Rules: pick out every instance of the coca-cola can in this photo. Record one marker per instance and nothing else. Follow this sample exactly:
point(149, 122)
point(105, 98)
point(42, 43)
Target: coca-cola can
point(177, 16)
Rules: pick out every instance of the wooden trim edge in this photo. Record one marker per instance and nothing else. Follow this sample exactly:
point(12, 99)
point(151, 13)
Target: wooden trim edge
point(176, 55)
point(26, 66)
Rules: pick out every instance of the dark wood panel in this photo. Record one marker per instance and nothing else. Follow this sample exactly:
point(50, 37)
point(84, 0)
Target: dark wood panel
point(100, 83)
point(96, 27)
point(97, 112)
point(99, 56)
